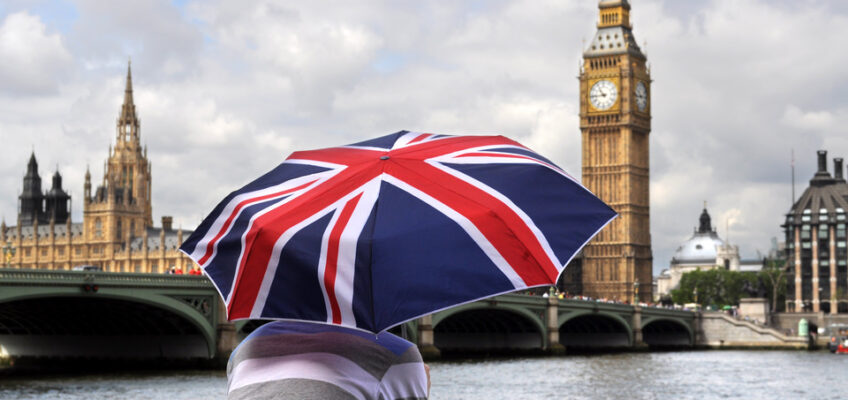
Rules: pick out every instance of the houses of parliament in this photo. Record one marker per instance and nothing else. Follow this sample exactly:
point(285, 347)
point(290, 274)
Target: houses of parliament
point(116, 232)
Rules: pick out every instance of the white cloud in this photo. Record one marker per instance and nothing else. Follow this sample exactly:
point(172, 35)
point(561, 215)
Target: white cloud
point(226, 90)
point(34, 61)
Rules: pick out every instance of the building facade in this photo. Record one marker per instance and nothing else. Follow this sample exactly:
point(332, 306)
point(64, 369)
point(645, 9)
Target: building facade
point(116, 233)
point(615, 121)
point(704, 250)
point(816, 243)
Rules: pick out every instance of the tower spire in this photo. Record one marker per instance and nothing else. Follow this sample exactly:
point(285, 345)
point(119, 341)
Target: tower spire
point(128, 121)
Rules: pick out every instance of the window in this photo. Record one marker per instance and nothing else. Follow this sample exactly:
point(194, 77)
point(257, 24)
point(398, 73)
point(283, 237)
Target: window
point(841, 244)
point(823, 231)
point(98, 228)
point(805, 245)
point(27, 252)
point(43, 252)
point(61, 251)
point(78, 250)
point(840, 231)
point(824, 263)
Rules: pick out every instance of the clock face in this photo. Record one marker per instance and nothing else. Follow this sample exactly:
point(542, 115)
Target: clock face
point(603, 94)
point(641, 95)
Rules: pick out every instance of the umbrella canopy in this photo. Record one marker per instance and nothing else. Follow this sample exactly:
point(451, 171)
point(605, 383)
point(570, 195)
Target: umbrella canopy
point(376, 233)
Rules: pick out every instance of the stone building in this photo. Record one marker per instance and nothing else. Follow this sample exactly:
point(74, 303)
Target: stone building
point(116, 233)
point(815, 243)
point(704, 250)
point(615, 120)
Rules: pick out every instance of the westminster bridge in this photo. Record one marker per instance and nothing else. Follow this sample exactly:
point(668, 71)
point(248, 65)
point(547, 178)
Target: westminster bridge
point(93, 314)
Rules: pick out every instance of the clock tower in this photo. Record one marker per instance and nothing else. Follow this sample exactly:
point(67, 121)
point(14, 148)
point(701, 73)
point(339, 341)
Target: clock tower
point(615, 120)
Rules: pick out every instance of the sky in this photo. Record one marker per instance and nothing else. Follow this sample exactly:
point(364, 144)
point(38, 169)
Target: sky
point(226, 90)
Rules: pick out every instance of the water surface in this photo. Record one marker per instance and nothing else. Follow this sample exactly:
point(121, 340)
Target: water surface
point(679, 375)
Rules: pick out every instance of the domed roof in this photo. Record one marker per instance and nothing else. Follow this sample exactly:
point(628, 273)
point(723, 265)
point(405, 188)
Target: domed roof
point(701, 247)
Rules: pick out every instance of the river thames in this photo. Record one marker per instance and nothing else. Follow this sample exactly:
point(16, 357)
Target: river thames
point(672, 375)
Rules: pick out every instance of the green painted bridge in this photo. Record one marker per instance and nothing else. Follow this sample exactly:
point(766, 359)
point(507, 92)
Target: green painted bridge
point(147, 316)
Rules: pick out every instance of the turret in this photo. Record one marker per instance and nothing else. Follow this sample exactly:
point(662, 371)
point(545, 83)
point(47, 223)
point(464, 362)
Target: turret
point(86, 188)
point(56, 205)
point(705, 221)
point(31, 198)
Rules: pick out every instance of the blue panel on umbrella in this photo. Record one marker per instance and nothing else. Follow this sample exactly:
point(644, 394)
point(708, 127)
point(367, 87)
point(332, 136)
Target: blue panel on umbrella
point(296, 292)
point(426, 259)
point(564, 211)
point(222, 271)
point(280, 174)
point(385, 142)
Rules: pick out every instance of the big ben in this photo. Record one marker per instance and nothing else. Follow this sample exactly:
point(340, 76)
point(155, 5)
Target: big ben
point(615, 121)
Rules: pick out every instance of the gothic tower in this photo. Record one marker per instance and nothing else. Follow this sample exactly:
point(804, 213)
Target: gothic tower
point(120, 208)
point(31, 200)
point(615, 120)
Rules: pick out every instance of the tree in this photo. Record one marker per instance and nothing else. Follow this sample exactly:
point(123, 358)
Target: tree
point(773, 275)
point(716, 287)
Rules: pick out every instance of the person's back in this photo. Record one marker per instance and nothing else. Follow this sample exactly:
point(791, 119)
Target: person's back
point(298, 360)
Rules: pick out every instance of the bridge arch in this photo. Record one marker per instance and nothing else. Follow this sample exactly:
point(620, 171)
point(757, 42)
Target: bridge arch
point(65, 321)
point(594, 329)
point(665, 332)
point(486, 327)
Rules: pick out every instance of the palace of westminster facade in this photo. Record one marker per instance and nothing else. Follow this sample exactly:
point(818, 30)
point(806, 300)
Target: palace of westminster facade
point(116, 233)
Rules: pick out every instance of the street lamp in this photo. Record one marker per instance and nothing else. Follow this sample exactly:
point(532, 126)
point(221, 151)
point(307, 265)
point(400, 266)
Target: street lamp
point(636, 292)
point(8, 253)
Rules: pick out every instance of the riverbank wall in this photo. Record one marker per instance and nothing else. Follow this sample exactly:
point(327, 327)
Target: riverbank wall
point(717, 330)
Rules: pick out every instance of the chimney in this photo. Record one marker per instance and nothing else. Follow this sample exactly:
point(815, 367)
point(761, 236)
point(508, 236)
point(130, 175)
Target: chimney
point(822, 162)
point(837, 169)
point(167, 220)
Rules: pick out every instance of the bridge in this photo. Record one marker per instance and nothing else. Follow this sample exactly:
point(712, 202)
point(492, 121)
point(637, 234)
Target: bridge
point(147, 316)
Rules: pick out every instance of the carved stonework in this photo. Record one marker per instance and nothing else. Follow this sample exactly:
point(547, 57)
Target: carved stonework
point(615, 115)
point(203, 305)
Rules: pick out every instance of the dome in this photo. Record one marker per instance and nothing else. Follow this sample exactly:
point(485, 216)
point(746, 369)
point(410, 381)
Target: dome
point(701, 247)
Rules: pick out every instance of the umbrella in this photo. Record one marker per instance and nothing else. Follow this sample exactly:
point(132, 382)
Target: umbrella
point(380, 232)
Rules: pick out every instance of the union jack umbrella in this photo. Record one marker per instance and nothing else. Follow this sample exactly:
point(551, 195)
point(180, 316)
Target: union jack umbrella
point(376, 233)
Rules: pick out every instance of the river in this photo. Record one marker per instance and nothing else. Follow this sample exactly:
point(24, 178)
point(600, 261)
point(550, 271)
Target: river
point(672, 375)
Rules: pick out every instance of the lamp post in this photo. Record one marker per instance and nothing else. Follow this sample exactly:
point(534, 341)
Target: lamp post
point(8, 253)
point(636, 292)
point(695, 292)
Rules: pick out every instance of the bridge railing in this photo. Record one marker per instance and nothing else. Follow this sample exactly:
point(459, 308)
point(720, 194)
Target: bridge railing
point(129, 279)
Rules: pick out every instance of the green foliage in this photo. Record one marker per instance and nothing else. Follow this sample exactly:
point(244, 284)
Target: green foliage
point(719, 287)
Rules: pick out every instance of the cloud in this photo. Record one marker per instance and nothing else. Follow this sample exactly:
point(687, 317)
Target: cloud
point(226, 90)
point(34, 61)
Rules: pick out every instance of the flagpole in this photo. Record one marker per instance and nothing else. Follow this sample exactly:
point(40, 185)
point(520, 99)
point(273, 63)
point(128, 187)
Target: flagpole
point(793, 179)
